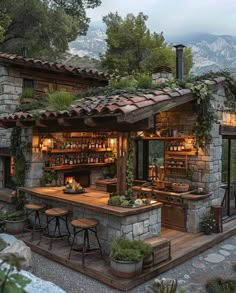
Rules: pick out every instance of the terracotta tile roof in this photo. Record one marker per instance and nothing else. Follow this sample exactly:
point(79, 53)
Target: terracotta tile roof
point(56, 67)
point(122, 104)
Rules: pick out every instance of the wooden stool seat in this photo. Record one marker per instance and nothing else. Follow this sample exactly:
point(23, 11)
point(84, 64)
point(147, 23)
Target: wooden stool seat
point(33, 210)
point(56, 212)
point(34, 206)
point(85, 226)
point(84, 223)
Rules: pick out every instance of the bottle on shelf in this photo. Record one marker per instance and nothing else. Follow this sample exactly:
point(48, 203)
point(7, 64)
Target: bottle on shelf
point(65, 160)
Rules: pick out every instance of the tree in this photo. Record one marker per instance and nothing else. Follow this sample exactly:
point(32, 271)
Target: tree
point(43, 27)
point(131, 47)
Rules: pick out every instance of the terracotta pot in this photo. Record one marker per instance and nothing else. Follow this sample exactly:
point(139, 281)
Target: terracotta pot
point(180, 187)
point(14, 227)
point(126, 269)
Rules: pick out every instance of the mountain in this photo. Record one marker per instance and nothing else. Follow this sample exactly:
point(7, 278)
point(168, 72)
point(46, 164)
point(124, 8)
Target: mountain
point(92, 45)
point(210, 52)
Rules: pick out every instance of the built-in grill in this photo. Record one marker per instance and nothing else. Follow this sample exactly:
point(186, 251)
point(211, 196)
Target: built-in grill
point(173, 213)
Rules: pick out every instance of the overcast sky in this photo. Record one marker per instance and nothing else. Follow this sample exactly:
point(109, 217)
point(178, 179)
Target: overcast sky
point(177, 17)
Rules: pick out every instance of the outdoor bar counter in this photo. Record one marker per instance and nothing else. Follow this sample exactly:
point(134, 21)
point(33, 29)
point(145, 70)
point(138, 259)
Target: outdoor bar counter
point(114, 221)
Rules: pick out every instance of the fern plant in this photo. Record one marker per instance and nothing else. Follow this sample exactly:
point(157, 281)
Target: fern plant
point(163, 286)
point(60, 100)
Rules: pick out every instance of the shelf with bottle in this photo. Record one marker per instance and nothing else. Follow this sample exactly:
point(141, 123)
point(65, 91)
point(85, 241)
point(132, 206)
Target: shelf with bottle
point(68, 167)
point(80, 144)
point(68, 151)
point(183, 147)
point(78, 159)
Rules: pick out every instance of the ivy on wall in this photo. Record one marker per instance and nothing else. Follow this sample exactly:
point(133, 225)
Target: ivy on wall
point(206, 115)
point(17, 151)
point(130, 168)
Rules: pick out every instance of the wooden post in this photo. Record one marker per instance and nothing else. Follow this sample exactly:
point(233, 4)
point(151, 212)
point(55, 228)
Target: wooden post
point(122, 156)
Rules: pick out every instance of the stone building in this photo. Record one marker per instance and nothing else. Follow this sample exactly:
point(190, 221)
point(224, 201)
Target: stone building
point(122, 114)
point(17, 74)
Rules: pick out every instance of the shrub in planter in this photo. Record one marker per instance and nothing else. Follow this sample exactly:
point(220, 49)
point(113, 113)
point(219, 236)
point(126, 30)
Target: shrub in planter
point(127, 257)
point(221, 285)
point(163, 286)
point(208, 224)
point(14, 222)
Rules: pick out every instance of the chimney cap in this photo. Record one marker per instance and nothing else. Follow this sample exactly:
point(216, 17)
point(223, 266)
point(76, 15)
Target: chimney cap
point(162, 68)
point(180, 46)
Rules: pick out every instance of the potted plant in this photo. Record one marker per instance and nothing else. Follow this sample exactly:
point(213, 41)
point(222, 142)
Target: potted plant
point(208, 224)
point(127, 256)
point(14, 222)
point(49, 178)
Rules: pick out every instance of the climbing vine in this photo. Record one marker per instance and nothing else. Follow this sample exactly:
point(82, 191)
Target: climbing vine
point(206, 115)
point(130, 168)
point(17, 150)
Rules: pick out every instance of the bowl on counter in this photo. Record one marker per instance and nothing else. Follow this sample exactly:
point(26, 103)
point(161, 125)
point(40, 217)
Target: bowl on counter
point(180, 187)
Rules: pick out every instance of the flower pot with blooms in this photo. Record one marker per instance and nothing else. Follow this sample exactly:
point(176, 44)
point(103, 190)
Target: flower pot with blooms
point(208, 224)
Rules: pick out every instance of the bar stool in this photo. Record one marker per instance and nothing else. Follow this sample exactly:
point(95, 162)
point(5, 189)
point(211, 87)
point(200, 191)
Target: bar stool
point(32, 208)
point(216, 212)
point(57, 214)
point(85, 225)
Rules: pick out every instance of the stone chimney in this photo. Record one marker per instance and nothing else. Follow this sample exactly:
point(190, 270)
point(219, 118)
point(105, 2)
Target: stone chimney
point(161, 74)
point(179, 61)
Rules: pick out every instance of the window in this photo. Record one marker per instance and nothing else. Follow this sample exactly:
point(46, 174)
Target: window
point(28, 83)
point(150, 156)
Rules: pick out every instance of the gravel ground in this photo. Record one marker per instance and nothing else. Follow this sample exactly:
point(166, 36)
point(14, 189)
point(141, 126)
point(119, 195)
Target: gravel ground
point(191, 275)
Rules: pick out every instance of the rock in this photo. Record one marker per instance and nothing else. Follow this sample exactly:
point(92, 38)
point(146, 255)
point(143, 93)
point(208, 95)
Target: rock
point(198, 265)
point(214, 258)
point(20, 249)
point(229, 247)
point(224, 252)
point(9, 239)
point(40, 286)
point(187, 277)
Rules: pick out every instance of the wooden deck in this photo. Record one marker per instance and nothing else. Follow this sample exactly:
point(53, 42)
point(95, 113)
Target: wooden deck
point(183, 247)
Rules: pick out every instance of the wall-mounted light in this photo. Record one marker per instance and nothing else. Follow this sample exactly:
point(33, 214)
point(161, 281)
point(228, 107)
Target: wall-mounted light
point(46, 142)
point(229, 118)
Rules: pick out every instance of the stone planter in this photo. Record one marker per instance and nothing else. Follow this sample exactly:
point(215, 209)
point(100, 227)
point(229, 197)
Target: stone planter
point(14, 227)
point(126, 269)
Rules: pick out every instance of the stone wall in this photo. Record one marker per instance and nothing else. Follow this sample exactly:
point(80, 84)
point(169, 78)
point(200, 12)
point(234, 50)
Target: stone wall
point(10, 90)
point(134, 227)
point(207, 165)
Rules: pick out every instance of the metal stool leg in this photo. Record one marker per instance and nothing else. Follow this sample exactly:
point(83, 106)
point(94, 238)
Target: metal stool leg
point(57, 226)
point(67, 228)
point(99, 244)
point(84, 246)
point(72, 243)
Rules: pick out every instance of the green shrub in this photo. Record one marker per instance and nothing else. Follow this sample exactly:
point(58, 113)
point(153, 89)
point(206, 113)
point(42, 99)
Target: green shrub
point(128, 83)
point(208, 223)
point(144, 80)
point(60, 100)
point(220, 285)
point(130, 250)
point(15, 216)
point(27, 93)
point(163, 286)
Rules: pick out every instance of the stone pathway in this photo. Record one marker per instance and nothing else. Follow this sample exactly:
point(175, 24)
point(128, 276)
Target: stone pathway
point(191, 275)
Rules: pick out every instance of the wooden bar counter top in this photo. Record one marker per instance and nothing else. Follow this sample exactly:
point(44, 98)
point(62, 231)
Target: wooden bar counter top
point(92, 199)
